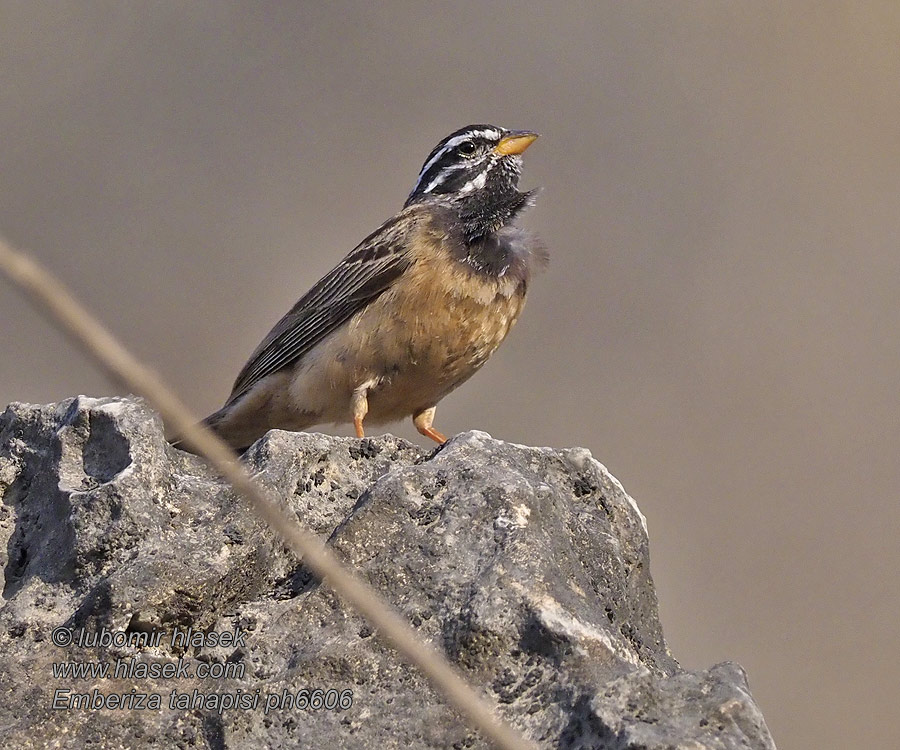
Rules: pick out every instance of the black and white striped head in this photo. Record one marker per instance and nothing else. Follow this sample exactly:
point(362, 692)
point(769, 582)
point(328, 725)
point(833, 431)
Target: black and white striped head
point(475, 162)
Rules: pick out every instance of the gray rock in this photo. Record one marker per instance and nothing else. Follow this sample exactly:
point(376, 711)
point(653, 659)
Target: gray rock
point(528, 566)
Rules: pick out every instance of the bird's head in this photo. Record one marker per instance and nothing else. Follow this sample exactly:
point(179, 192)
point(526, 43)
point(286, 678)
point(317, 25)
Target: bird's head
point(477, 169)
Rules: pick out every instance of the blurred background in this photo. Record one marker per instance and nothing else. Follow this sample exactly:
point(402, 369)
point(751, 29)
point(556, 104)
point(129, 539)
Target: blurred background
point(718, 323)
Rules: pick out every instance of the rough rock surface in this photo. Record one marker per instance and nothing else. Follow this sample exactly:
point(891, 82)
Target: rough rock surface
point(527, 566)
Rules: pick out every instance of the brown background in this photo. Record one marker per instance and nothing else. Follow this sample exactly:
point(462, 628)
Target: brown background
point(719, 322)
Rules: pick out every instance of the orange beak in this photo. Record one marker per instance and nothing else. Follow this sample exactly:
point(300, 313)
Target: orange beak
point(515, 143)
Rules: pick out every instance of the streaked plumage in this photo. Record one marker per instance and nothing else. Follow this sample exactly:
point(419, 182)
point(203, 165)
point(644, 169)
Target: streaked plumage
point(411, 313)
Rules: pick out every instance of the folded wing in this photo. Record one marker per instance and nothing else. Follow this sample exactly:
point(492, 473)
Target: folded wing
point(351, 285)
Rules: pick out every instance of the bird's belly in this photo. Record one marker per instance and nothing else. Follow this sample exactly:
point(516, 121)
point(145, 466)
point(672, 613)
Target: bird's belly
point(422, 374)
point(407, 350)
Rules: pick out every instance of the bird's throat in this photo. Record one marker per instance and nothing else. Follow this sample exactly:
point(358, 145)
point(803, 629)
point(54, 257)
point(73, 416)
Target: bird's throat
point(483, 250)
point(482, 215)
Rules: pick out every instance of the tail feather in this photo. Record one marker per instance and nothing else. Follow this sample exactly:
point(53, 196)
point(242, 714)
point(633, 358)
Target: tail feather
point(213, 422)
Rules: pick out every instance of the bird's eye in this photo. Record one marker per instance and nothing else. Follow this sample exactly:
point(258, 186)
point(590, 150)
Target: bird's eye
point(466, 148)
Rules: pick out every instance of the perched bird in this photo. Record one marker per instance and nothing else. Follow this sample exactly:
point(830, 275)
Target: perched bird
point(411, 313)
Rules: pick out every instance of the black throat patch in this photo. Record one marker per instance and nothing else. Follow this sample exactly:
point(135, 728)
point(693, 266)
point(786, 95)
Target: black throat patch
point(490, 246)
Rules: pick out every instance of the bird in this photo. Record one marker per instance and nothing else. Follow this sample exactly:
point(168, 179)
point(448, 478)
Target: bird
point(411, 312)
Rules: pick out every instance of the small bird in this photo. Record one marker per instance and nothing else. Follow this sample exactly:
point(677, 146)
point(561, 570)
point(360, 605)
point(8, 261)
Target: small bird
point(410, 313)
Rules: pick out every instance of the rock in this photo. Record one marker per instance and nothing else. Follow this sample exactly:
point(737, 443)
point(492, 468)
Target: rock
point(528, 566)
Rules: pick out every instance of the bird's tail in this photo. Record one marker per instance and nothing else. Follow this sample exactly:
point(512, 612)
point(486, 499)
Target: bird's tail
point(214, 422)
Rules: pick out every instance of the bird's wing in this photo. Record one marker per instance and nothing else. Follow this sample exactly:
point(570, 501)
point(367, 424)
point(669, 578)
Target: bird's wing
point(358, 279)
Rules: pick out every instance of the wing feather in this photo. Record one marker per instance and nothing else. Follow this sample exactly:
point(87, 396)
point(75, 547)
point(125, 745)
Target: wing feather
point(367, 271)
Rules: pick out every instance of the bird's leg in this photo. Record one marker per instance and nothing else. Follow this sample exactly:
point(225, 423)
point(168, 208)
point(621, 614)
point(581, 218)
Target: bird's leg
point(360, 406)
point(422, 420)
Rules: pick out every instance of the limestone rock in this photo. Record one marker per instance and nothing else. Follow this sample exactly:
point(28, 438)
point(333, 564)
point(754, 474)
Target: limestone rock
point(528, 566)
